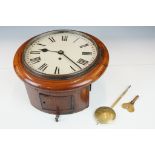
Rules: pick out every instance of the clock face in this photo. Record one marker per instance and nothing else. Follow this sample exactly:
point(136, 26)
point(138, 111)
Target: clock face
point(60, 53)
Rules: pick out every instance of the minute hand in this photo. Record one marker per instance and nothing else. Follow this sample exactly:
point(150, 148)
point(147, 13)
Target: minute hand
point(71, 60)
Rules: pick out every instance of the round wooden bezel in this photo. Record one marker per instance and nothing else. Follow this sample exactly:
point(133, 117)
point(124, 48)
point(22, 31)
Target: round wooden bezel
point(67, 84)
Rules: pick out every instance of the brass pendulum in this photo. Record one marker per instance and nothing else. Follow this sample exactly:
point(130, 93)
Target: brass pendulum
point(104, 114)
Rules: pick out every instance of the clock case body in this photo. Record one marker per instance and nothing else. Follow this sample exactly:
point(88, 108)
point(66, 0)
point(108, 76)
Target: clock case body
point(63, 96)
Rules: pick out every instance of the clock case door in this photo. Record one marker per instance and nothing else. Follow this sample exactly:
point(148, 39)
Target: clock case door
point(64, 102)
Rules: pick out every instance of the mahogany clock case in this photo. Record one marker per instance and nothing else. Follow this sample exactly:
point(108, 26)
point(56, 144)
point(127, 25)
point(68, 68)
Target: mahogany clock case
point(61, 96)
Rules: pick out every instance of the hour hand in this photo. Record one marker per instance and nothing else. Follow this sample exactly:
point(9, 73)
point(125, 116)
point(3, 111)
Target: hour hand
point(46, 50)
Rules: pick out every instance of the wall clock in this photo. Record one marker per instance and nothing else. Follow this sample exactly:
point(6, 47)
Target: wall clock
point(58, 68)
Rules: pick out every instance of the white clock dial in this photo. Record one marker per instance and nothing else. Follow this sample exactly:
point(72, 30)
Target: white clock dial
point(60, 53)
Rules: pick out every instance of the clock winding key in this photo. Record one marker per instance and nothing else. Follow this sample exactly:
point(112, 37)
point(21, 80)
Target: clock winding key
point(130, 105)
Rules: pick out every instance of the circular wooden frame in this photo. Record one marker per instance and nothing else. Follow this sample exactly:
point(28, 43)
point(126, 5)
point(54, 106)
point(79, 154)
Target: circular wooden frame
point(67, 84)
point(61, 76)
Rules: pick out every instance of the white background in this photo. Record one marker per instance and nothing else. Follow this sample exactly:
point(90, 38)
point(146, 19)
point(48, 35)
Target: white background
point(77, 12)
point(132, 61)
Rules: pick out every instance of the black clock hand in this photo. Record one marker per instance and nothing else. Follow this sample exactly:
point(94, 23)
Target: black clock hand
point(69, 59)
point(46, 50)
point(61, 53)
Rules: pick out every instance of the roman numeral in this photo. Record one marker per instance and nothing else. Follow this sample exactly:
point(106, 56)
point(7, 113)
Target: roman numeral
point(35, 60)
point(51, 39)
point(82, 61)
point(86, 53)
point(85, 45)
point(64, 38)
point(41, 44)
point(72, 68)
point(43, 67)
point(57, 70)
point(34, 52)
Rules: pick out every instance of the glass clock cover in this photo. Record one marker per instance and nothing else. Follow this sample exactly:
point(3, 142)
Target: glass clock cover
point(60, 53)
